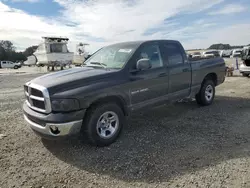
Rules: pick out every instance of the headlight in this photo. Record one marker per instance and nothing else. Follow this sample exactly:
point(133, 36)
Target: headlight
point(65, 105)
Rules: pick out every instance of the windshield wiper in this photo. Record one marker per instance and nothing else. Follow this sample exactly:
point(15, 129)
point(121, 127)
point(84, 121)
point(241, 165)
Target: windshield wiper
point(98, 63)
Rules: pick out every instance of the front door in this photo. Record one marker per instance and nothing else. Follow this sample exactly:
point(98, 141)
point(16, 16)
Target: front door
point(10, 64)
point(148, 87)
point(179, 70)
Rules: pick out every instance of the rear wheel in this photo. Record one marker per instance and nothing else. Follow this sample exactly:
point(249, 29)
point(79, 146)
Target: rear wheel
point(103, 124)
point(245, 74)
point(206, 94)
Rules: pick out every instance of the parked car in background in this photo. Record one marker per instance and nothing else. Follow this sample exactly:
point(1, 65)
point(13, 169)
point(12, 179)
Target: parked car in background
point(189, 55)
point(19, 63)
point(236, 53)
point(216, 53)
point(196, 55)
point(9, 64)
point(211, 53)
point(117, 81)
point(225, 53)
point(245, 65)
point(208, 54)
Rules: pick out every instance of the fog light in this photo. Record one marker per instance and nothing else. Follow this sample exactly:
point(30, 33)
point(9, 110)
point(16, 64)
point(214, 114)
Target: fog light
point(54, 129)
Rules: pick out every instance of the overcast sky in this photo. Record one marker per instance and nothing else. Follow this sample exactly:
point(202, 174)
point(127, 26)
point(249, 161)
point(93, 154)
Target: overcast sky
point(195, 23)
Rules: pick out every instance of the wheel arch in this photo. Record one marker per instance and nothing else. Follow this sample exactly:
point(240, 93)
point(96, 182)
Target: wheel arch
point(119, 100)
point(211, 76)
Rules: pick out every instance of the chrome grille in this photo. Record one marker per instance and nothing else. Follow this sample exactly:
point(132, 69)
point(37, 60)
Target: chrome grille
point(37, 97)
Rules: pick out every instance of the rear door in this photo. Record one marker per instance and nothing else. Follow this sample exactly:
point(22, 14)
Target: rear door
point(148, 87)
point(179, 70)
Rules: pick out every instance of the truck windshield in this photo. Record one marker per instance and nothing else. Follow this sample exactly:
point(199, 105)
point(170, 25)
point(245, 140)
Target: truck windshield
point(114, 56)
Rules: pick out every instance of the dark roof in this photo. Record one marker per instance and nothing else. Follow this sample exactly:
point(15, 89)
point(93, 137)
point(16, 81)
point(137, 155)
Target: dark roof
point(138, 43)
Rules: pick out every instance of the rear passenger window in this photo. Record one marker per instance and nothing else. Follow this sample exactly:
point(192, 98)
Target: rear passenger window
point(4, 62)
point(174, 55)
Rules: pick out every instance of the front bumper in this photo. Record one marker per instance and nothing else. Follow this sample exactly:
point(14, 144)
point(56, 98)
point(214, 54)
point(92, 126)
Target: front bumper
point(54, 125)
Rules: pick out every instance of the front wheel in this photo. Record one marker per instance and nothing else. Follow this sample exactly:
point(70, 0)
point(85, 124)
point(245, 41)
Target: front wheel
point(206, 94)
point(103, 124)
point(15, 67)
point(245, 74)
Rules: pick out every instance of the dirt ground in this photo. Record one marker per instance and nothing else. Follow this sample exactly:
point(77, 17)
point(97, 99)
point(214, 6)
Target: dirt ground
point(182, 145)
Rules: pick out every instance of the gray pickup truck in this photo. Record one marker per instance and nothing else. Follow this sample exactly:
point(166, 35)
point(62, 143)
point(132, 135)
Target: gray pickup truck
point(115, 81)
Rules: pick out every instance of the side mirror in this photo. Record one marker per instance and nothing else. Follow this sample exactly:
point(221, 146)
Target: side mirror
point(143, 64)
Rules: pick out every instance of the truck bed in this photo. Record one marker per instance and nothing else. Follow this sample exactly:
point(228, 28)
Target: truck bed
point(203, 66)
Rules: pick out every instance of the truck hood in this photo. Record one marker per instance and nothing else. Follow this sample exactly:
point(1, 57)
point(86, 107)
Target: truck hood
point(68, 77)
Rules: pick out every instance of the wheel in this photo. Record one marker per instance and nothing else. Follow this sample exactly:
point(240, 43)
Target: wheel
point(103, 124)
point(206, 94)
point(15, 67)
point(245, 74)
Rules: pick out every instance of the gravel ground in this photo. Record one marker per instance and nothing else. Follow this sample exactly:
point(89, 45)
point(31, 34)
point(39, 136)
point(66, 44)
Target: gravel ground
point(181, 145)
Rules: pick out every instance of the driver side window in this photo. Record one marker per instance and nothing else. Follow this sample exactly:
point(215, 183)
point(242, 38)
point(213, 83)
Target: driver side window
point(150, 52)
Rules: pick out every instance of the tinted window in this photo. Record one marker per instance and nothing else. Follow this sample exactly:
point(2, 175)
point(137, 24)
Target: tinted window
point(3, 62)
point(151, 52)
point(174, 55)
point(55, 48)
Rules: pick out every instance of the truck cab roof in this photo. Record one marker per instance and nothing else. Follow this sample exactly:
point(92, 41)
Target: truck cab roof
point(143, 41)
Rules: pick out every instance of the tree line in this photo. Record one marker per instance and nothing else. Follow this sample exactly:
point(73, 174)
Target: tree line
point(8, 52)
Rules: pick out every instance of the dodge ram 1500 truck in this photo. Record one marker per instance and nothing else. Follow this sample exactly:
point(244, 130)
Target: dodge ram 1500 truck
point(115, 81)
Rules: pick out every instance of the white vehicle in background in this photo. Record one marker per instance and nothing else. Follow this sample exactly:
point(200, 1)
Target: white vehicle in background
point(54, 52)
point(225, 53)
point(236, 53)
point(208, 54)
point(9, 64)
point(211, 53)
point(245, 65)
point(196, 55)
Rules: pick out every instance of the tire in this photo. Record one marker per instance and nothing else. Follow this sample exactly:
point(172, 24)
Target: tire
point(15, 67)
point(245, 74)
point(92, 124)
point(206, 94)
